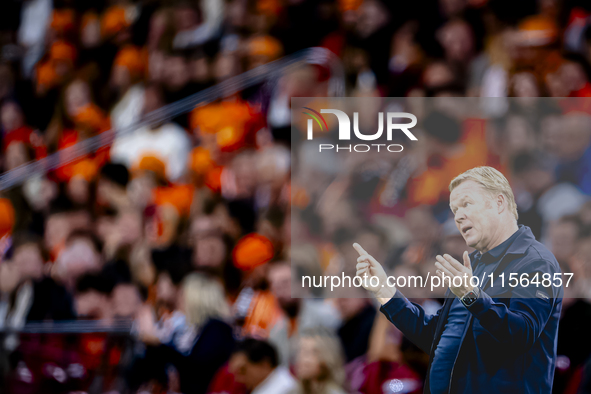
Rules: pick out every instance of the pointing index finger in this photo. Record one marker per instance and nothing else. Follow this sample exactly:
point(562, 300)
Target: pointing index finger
point(359, 249)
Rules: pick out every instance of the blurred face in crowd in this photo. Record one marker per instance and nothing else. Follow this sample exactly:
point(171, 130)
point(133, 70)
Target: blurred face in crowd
point(371, 16)
point(273, 166)
point(551, 129)
point(92, 305)
point(129, 227)
point(245, 170)
point(39, 192)
point(78, 258)
point(226, 66)
point(536, 180)
point(185, 18)
point(210, 252)
point(140, 189)
point(555, 85)
point(519, 136)
point(524, 84)
point(308, 365)
point(200, 69)
point(156, 66)
point(152, 99)
point(11, 116)
point(457, 40)
point(279, 277)
point(176, 73)
point(90, 33)
point(126, 300)
point(563, 239)
point(573, 76)
point(77, 96)
point(452, 7)
point(167, 292)
point(9, 277)
point(437, 74)
point(29, 262)
point(16, 155)
point(120, 78)
point(107, 192)
point(203, 225)
point(78, 190)
point(57, 228)
point(248, 373)
point(575, 136)
point(476, 215)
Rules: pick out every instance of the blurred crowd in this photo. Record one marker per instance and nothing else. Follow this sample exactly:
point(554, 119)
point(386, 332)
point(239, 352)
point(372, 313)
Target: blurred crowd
point(183, 227)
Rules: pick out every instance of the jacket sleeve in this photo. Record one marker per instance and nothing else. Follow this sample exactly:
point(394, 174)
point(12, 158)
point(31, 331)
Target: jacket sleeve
point(520, 322)
point(411, 320)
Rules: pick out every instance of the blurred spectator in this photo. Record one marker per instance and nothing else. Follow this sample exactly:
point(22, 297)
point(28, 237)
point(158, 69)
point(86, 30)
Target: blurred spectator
point(35, 18)
point(15, 131)
point(93, 298)
point(27, 293)
point(228, 190)
point(197, 340)
point(319, 363)
point(563, 236)
point(111, 191)
point(81, 255)
point(548, 200)
point(574, 151)
point(387, 367)
point(168, 142)
point(253, 368)
point(125, 83)
point(358, 315)
point(297, 314)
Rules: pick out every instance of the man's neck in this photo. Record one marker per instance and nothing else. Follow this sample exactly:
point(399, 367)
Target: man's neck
point(504, 234)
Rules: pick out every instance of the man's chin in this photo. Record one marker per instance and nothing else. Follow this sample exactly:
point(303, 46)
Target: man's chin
point(471, 242)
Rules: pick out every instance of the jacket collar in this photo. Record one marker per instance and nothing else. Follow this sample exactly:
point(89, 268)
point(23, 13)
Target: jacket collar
point(516, 244)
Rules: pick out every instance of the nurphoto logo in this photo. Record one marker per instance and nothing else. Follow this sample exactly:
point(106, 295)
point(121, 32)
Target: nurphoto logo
point(392, 125)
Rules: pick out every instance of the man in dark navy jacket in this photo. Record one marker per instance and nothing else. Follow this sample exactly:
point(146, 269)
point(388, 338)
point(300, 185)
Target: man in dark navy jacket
point(496, 337)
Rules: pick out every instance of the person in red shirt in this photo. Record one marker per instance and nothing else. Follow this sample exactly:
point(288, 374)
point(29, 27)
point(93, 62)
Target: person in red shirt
point(15, 131)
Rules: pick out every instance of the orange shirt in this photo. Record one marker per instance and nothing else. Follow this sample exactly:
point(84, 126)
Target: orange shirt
point(264, 312)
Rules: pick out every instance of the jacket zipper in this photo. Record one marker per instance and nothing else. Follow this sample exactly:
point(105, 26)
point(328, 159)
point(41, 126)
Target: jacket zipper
point(458, 354)
point(461, 343)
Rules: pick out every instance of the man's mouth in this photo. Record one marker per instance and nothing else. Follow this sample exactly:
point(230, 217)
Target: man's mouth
point(466, 229)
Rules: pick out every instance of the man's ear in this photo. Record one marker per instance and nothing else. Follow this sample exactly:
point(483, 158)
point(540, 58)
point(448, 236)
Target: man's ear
point(501, 203)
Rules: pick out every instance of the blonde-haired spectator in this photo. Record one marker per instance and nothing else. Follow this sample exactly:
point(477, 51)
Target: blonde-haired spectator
point(197, 338)
point(203, 299)
point(319, 363)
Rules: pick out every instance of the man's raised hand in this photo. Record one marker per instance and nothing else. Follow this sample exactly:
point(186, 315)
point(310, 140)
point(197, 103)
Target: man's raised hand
point(367, 267)
point(448, 268)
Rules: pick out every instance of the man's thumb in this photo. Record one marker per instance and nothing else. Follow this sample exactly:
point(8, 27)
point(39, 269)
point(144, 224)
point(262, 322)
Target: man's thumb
point(467, 260)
